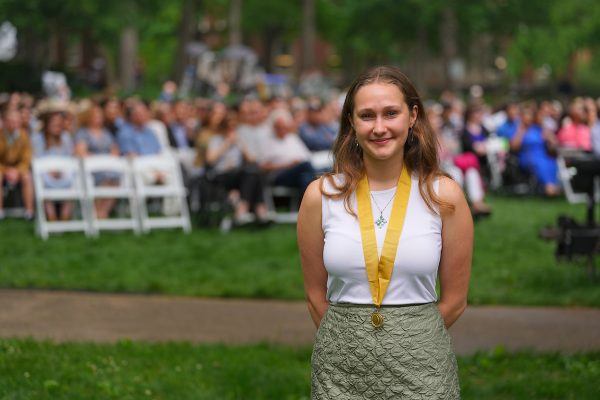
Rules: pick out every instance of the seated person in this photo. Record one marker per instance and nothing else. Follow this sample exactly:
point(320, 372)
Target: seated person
point(254, 125)
point(317, 132)
point(135, 138)
point(228, 162)
point(285, 157)
point(214, 118)
point(182, 127)
point(511, 124)
point(113, 121)
point(575, 134)
point(15, 160)
point(462, 167)
point(533, 144)
point(475, 135)
point(54, 141)
point(181, 132)
point(91, 139)
point(594, 124)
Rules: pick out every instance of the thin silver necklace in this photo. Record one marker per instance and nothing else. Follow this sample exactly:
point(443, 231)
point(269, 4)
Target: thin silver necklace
point(381, 221)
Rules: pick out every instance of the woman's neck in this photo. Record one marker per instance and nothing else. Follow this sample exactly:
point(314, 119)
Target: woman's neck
point(383, 174)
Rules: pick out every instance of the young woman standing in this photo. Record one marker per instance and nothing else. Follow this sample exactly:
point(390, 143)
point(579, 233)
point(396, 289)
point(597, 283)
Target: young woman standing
point(374, 235)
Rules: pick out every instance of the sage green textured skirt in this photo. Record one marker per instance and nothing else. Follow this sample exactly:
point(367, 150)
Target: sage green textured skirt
point(409, 357)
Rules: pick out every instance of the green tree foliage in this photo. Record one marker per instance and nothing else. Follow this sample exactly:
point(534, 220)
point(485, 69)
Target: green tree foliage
point(530, 33)
point(261, 16)
point(101, 22)
point(549, 32)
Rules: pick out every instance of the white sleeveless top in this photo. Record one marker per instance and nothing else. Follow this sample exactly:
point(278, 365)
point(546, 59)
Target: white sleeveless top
point(417, 259)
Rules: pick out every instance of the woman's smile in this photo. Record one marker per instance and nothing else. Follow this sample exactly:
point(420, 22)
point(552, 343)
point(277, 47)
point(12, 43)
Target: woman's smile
point(382, 141)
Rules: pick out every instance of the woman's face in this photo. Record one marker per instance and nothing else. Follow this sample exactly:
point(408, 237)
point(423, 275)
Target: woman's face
point(218, 113)
point(111, 110)
point(577, 112)
point(96, 117)
point(527, 116)
point(476, 116)
point(55, 125)
point(381, 120)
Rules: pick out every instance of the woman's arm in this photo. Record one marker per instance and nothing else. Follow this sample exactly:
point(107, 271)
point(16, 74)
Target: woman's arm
point(517, 140)
point(81, 149)
point(248, 157)
point(457, 249)
point(310, 243)
point(213, 153)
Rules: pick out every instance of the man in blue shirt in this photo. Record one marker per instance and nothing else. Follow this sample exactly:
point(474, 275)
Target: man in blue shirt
point(135, 138)
point(509, 127)
point(317, 133)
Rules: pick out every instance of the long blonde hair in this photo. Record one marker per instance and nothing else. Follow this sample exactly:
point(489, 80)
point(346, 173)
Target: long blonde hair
point(420, 149)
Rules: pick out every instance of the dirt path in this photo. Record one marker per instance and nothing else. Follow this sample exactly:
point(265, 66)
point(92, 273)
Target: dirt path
point(81, 316)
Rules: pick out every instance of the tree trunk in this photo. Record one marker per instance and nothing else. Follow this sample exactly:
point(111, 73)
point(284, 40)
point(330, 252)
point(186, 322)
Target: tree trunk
point(111, 79)
point(88, 50)
point(271, 40)
point(420, 60)
point(235, 21)
point(185, 34)
point(449, 39)
point(308, 35)
point(128, 58)
point(61, 48)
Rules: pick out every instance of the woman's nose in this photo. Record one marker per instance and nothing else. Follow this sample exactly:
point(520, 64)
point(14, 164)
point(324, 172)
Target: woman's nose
point(379, 125)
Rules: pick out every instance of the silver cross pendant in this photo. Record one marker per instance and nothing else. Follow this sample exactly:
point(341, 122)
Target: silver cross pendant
point(380, 221)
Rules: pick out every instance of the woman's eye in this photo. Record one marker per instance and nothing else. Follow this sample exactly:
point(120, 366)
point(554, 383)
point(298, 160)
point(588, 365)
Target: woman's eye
point(366, 116)
point(391, 113)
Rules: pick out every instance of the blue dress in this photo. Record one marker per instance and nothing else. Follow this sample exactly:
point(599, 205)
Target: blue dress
point(533, 157)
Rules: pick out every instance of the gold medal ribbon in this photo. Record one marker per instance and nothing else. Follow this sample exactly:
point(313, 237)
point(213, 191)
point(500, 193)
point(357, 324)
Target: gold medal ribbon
point(379, 269)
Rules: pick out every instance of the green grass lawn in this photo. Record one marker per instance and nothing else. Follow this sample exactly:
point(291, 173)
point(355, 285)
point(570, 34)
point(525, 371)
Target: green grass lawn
point(511, 265)
point(42, 370)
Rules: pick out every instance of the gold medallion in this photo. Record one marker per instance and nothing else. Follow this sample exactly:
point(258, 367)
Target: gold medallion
point(376, 319)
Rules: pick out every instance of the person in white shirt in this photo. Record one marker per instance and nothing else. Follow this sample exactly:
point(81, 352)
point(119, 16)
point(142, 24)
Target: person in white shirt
point(231, 165)
point(254, 127)
point(285, 157)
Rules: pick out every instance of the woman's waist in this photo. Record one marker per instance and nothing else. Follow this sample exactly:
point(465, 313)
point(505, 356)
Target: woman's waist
point(372, 306)
point(361, 313)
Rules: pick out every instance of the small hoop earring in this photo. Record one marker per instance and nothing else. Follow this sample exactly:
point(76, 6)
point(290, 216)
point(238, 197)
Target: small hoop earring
point(356, 145)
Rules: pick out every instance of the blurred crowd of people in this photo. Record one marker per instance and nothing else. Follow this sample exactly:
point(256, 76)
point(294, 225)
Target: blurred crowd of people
point(518, 142)
point(242, 147)
point(255, 143)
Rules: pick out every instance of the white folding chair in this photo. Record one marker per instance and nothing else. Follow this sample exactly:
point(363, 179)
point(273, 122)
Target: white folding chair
point(172, 191)
point(125, 190)
point(283, 217)
point(496, 149)
point(67, 166)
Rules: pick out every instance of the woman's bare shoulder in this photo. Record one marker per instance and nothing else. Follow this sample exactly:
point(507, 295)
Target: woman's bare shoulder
point(451, 193)
point(312, 195)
